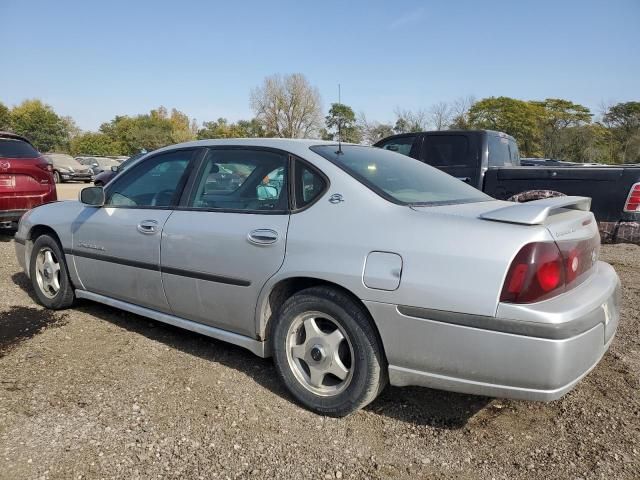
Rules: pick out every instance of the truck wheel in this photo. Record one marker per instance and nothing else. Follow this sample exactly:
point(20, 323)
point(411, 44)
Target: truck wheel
point(327, 353)
point(49, 274)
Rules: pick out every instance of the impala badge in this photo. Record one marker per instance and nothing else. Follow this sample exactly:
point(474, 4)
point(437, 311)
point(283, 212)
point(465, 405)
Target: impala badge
point(336, 198)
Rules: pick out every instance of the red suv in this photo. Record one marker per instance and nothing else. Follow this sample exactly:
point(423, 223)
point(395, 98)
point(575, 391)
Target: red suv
point(26, 179)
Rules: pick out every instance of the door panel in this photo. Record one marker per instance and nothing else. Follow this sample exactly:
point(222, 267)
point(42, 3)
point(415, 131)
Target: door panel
point(213, 271)
point(114, 258)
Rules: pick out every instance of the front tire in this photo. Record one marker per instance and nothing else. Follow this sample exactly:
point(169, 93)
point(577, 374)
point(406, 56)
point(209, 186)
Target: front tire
point(327, 352)
point(49, 274)
point(56, 177)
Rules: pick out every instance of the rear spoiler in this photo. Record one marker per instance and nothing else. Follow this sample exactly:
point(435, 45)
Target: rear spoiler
point(536, 211)
point(15, 136)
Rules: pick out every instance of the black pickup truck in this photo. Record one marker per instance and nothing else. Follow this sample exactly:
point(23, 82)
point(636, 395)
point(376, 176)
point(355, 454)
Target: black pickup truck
point(490, 161)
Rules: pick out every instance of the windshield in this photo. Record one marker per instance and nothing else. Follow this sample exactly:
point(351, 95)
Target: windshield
point(63, 160)
point(398, 178)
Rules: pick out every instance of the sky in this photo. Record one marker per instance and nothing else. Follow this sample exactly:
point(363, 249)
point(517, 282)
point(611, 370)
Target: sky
point(94, 60)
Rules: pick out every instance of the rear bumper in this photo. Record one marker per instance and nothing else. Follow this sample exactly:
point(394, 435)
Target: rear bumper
point(11, 215)
point(538, 352)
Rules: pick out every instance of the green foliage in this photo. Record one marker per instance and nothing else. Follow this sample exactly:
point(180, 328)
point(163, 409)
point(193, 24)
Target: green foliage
point(623, 121)
point(221, 128)
point(518, 118)
point(151, 131)
point(341, 124)
point(40, 124)
point(5, 117)
point(90, 143)
point(556, 115)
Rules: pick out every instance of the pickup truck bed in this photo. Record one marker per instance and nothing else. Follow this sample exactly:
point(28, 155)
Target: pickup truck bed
point(490, 161)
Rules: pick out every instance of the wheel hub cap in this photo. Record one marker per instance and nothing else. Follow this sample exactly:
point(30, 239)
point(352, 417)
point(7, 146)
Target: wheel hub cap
point(320, 353)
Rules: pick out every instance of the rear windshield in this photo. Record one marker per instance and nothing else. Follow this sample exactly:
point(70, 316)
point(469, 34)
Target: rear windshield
point(13, 148)
point(398, 178)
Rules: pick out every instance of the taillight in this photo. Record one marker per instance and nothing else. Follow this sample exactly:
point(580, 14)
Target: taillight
point(542, 270)
point(633, 200)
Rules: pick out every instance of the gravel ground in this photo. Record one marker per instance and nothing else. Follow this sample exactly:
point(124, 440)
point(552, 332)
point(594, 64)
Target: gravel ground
point(96, 393)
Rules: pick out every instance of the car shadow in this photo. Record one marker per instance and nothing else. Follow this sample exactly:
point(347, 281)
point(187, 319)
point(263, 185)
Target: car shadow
point(6, 235)
point(420, 406)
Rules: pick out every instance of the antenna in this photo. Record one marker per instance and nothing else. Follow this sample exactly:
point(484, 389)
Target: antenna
point(339, 124)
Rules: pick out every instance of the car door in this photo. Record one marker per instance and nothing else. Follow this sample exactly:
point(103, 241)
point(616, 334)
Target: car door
point(455, 154)
point(227, 238)
point(116, 247)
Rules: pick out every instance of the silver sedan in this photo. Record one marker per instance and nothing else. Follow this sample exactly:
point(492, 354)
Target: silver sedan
point(352, 266)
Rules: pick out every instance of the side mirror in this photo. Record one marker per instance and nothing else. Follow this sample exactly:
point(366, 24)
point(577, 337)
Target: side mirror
point(114, 168)
point(94, 164)
point(92, 196)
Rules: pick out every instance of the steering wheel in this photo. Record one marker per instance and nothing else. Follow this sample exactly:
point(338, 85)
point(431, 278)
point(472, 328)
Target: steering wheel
point(158, 196)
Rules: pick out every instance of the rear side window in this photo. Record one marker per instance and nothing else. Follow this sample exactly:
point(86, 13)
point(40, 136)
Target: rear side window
point(399, 144)
point(446, 150)
point(13, 148)
point(309, 184)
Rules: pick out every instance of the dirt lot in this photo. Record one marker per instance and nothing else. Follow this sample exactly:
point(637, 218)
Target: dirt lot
point(96, 393)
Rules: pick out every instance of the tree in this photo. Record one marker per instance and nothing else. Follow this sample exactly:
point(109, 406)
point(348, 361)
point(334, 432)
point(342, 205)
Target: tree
point(341, 124)
point(624, 121)
point(148, 132)
point(221, 128)
point(91, 143)
point(408, 121)
point(557, 115)
point(40, 124)
point(373, 131)
point(440, 115)
point(460, 112)
point(518, 118)
point(5, 117)
point(287, 106)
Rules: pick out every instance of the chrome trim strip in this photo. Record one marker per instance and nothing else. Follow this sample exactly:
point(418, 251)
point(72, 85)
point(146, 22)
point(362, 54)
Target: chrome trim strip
point(257, 347)
point(551, 331)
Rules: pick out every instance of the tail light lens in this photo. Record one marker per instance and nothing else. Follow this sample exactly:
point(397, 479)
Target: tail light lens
point(633, 200)
point(543, 270)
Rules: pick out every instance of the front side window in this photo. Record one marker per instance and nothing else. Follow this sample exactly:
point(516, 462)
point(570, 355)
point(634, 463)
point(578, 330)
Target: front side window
point(156, 182)
point(242, 179)
point(398, 178)
point(398, 144)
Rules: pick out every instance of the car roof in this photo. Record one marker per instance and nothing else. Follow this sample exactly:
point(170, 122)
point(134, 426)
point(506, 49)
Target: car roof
point(293, 145)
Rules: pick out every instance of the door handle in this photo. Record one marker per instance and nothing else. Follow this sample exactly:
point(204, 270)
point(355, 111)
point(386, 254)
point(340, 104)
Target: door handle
point(148, 227)
point(263, 236)
point(465, 179)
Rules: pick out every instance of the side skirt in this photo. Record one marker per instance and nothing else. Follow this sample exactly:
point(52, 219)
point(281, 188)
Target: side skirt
point(257, 347)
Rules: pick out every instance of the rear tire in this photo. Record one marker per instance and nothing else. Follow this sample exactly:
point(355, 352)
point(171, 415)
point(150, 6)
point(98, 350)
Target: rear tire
point(49, 274)
point(327, 352)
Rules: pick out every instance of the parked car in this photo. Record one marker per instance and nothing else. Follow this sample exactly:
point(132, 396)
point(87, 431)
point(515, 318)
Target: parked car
point(368, 267)
point(98, 164)
point(105, 176)
point(66, 168)
point(26, 179)
point(490, 161)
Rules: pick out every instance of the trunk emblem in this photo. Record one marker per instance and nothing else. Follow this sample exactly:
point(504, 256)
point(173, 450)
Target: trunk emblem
point(4, 165)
